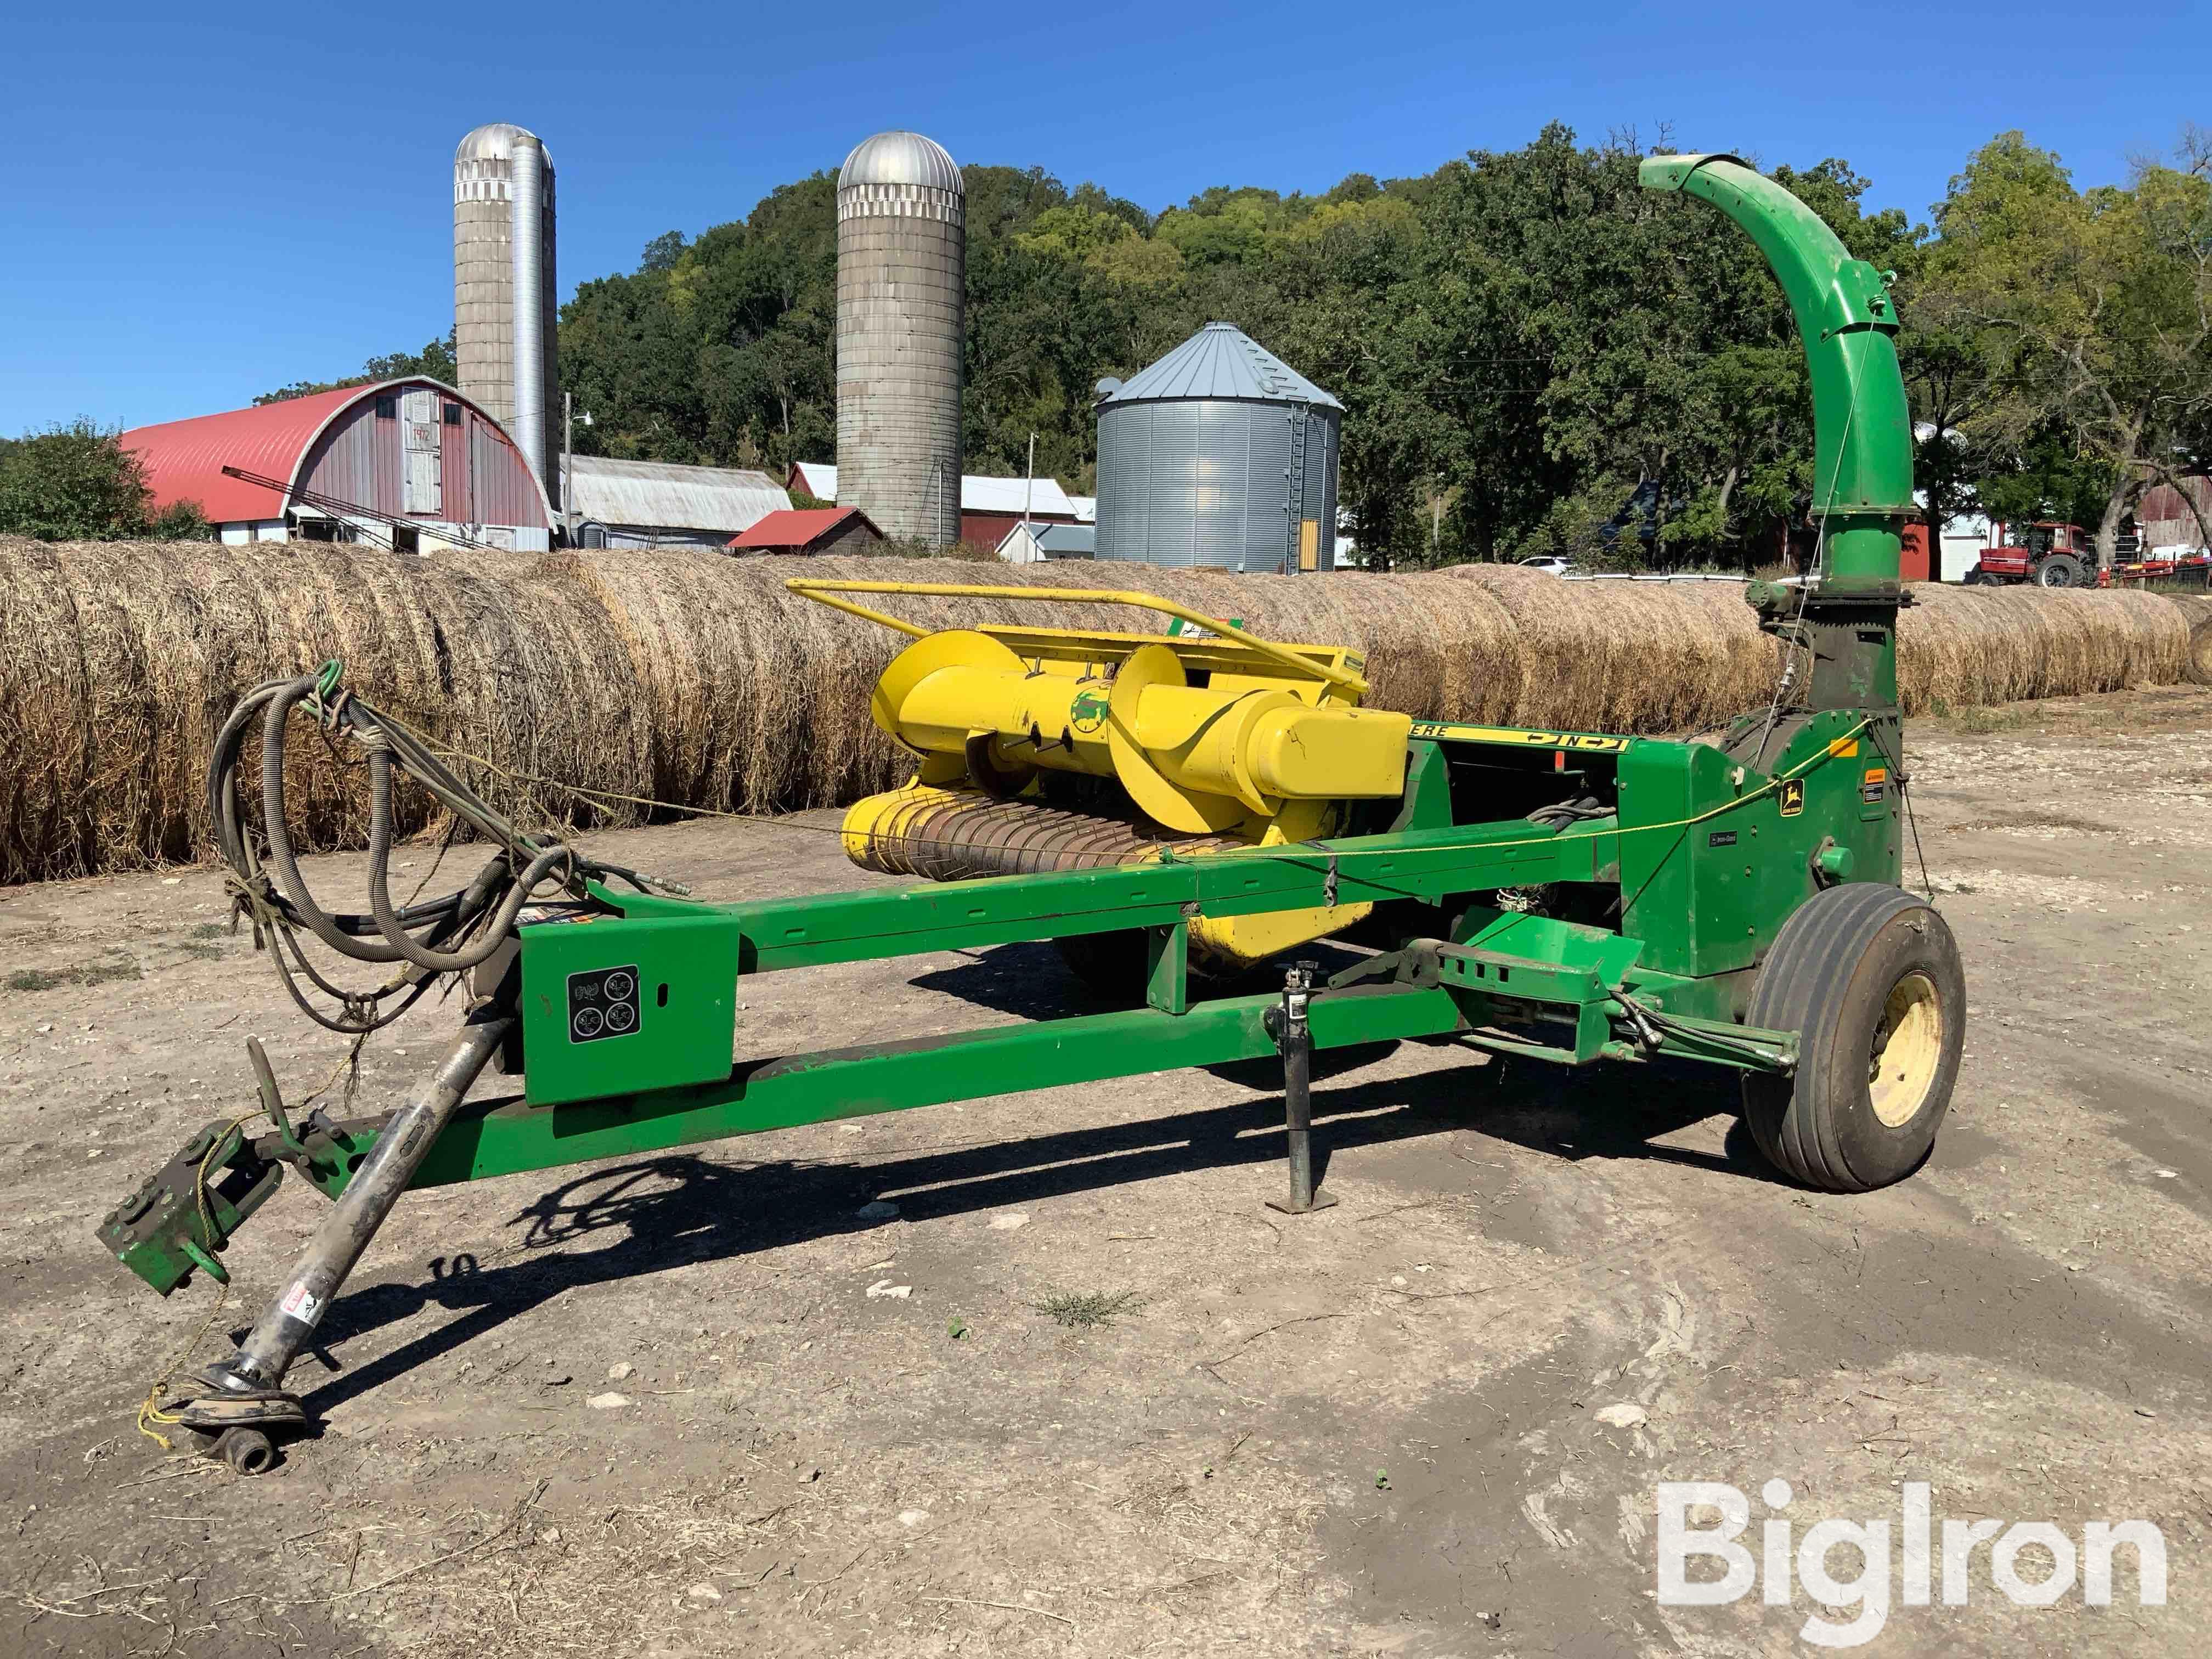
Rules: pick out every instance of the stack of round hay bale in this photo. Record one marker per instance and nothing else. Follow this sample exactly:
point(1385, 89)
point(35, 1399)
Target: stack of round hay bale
point(572, 681)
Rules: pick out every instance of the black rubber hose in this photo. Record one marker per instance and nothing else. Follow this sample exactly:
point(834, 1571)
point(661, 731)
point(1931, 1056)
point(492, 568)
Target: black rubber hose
point(288, 879)
point(380, 892)
point(222, 776)
point(338, 931)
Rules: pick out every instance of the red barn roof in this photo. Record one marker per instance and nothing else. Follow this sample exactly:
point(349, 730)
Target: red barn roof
point(797, 526)
point(185, 459)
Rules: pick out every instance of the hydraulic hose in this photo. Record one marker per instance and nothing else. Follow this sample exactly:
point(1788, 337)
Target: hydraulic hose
point(427, 940)
point(288, 879)
point(393, 926)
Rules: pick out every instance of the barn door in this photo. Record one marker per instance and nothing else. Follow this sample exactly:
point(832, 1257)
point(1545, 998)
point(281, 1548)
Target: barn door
point(425, 481)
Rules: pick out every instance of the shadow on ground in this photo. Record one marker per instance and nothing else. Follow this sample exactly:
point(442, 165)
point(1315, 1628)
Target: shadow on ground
point(673, 1211)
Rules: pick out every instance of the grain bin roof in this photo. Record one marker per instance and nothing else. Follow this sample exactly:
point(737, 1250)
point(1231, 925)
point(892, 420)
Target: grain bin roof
point(668, 496)
point(1221, 360)
point(901, 158)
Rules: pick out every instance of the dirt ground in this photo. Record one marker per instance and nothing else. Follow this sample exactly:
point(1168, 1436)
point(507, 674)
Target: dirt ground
point(1374, 1429)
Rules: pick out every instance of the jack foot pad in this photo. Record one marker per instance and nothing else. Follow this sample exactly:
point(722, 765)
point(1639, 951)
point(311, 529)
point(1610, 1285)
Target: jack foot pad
point(241, 1429)
point(1322, 1200)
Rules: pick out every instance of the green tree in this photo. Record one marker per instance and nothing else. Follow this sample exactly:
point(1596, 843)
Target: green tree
point(436, 361)
point(1525, 343)
point(2094, 308)
point(77, 483)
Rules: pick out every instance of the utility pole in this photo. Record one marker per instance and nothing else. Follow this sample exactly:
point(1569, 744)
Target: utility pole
point(1028, 494)
point(567, 452)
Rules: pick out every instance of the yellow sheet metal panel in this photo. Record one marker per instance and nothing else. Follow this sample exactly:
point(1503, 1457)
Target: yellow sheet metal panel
point(1330, 754)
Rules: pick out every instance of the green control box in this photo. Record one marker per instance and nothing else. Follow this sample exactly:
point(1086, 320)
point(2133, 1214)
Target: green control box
point(616, 1005)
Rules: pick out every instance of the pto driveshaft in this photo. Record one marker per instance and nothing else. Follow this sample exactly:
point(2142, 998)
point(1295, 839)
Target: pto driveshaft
point(276, 1339)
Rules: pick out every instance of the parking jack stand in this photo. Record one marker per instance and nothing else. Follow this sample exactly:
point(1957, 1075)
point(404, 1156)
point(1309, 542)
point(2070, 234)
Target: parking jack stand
point(1294, 1038)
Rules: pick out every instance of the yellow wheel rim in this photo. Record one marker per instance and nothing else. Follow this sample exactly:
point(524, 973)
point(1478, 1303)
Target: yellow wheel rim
point(1908, 1045)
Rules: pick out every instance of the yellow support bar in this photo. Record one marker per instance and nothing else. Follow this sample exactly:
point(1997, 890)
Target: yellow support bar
point(820, 592)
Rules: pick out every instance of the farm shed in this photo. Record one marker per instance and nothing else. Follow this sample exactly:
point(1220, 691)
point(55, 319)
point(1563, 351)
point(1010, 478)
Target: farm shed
point(2174, 515)
point(810, 530)
point(989, 508)
point(408, 462)
point(1032, 543)
point(615, 503)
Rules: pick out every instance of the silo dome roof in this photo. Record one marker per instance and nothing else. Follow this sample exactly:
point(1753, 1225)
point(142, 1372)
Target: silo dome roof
point(494, 141)
point(901, 158)
point(1221, 360)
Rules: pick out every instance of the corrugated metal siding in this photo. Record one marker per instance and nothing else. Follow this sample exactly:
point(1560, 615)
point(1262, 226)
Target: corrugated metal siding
point(344, 462)
point(453, 462)
point(355, 458)
point(505, 492)
point(646, 536)
point(386, 451)
point(2163, 519)
point(1207, 482)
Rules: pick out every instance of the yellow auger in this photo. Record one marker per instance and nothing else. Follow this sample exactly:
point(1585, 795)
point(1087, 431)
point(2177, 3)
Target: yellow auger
point(1058, 749)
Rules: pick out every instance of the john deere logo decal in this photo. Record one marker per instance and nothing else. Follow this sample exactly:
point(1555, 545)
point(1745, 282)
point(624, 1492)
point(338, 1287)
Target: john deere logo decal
point(1089, 711)
point(1793, 798)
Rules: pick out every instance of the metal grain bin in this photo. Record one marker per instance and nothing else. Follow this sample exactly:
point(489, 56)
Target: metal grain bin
point(1219, 454)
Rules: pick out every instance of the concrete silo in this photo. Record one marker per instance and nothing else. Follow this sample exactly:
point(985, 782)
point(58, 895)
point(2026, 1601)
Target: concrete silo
point(506, 310)
point(1218, 454)
point(902, 266)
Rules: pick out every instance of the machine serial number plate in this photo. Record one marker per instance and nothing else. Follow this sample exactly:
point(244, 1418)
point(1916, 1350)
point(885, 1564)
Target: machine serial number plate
point(602, 1004)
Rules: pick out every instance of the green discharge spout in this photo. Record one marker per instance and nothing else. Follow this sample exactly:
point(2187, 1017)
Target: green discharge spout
point(1862, 430)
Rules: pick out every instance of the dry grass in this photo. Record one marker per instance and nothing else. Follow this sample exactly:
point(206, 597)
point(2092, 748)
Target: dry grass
point(1083, 1310)
point(699, 680)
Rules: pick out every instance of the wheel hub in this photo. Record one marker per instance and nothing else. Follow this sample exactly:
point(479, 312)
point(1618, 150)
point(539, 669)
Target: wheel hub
point(1908, 1045)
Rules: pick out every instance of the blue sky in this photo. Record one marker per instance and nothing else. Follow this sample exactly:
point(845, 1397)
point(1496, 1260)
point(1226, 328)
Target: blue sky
point(200, 203)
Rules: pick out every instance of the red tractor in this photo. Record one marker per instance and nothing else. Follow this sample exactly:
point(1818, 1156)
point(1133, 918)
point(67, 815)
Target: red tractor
point(2047, 555)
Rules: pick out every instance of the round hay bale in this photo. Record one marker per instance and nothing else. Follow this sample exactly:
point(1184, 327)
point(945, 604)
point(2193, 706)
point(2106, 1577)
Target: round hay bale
point(579, 679)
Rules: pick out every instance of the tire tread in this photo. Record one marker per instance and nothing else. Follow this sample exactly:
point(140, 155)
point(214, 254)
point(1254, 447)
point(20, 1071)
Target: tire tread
point(1808, 969)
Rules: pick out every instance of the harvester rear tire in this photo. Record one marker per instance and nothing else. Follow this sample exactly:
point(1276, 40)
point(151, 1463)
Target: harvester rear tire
point(1868, 976)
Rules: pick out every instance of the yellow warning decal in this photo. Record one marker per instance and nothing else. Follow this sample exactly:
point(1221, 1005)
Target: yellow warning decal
point(1844, 749)
point(1586, 742)
point(1877, 774)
